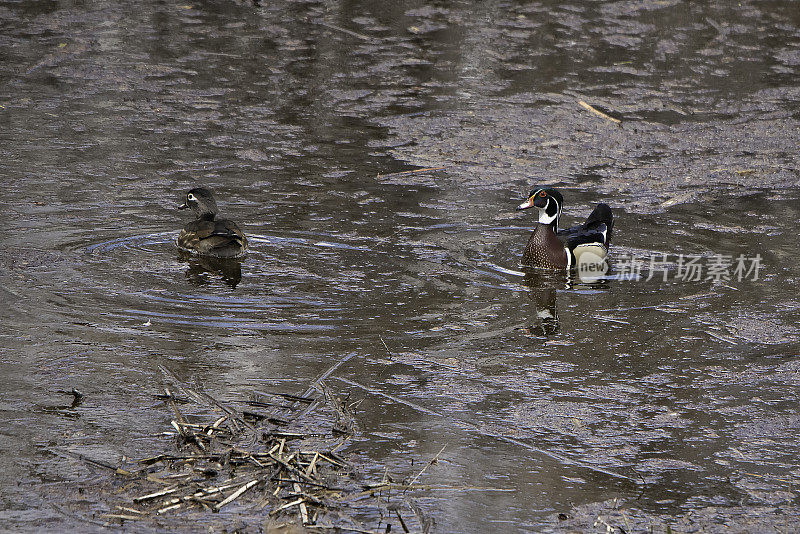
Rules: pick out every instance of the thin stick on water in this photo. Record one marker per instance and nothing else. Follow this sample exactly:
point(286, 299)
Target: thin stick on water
point(310, 468)
point(427, 487)
point(304, 397)
point(385, 346)
point(328, 373)
point(303, 508)
point(236, 494)
point(720, 338)
point(204, 398)
point(292, 470)
point(345, 30)
point(430, 463)
point(414, 171)
point(216, 424)
point(131, 510)
point(287, 505)
point(316, 384)
point(65, 512)
point(402, 522)
point(98, 463)
point(597, 112)
point(424, 522)
point(168, 508)
point(177, 502)
point(380, 393)
point(172, 404)
point(124, 517)
point(157, 494)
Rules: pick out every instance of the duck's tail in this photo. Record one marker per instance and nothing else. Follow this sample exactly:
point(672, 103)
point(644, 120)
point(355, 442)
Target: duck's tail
point(602, 215)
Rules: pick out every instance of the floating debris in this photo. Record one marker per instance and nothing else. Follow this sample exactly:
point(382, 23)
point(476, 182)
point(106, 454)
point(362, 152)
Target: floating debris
point(282, 466)
point(597, 112)
point(232, 467)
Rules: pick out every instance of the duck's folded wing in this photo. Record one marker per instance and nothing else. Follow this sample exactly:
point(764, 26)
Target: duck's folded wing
point(221, 238)
point(221, 228)
point(564, 233)
point(597, 233)
point(224, 227)
point(596, 229)
point(211, 233)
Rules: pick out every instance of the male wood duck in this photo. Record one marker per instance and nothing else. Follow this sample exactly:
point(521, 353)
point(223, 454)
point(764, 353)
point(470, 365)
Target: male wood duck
point(207, 236)
point(551, 248)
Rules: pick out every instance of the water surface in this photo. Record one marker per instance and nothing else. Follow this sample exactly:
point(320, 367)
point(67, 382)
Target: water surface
point(673, 396)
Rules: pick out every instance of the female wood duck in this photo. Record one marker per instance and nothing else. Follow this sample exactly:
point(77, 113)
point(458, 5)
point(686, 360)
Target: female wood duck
point(207, 236)
point(549, 248)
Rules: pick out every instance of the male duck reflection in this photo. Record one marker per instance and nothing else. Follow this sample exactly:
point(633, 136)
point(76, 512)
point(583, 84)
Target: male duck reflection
point(543, 290)
point(580, 245)
point(207, 236)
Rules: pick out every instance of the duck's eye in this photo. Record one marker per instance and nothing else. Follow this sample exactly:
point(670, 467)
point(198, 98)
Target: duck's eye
point(542, 194)
point(190, 197)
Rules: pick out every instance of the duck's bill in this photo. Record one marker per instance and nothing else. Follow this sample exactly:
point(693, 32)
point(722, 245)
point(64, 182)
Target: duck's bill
point(182, 207)
point(525, 205)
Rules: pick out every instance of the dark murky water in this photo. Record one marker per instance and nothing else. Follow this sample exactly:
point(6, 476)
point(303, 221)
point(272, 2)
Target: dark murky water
point(109, 112)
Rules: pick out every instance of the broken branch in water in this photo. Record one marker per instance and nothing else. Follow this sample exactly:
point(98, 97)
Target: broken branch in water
point(402, 523)
point(98, 463)
point(287, 505)
point(162, 493)
point(597, 112)
point(222, 462)
point(303, 507)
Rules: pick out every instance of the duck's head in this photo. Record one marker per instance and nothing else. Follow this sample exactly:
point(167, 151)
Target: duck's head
point(548, 201)
point(201, 201)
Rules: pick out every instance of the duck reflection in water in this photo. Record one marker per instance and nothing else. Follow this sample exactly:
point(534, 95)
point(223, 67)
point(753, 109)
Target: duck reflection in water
point(203, 270)
point(543, 286)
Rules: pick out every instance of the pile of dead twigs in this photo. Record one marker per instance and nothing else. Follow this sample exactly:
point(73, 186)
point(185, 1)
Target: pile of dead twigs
point(275, 457)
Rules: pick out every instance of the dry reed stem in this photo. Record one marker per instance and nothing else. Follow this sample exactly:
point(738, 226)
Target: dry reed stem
point(598, 112)
point(413, 171)
point(430, 463)
point(235, 495)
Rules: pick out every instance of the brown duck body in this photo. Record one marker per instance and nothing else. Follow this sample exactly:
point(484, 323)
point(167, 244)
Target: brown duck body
point(216, 238)
point(545, 250)
point(207, 235)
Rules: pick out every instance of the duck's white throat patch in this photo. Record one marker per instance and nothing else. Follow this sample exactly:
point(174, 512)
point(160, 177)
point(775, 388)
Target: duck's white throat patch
point(546, 218)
